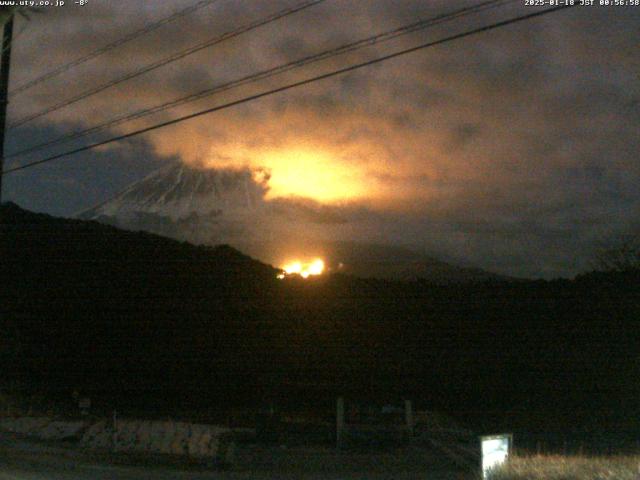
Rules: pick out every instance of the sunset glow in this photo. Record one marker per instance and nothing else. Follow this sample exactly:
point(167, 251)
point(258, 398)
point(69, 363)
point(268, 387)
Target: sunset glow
point(304, 269)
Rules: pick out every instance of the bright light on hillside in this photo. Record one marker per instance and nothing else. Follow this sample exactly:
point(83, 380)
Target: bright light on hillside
point(303, 269)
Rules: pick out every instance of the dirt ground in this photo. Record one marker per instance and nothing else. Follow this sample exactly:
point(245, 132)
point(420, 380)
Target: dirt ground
point(24, 459)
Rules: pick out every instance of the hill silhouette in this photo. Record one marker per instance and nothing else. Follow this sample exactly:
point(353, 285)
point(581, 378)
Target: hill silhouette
point(89, 302)
point(134, 315)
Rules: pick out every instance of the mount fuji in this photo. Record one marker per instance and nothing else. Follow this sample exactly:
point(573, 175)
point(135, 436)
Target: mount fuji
point(230, 206)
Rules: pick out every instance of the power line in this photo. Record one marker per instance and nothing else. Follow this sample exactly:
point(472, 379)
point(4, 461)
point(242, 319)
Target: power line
point(293, 85)
point(269, 73)
point(121, 41)
point(167, 60)
point(372, 40)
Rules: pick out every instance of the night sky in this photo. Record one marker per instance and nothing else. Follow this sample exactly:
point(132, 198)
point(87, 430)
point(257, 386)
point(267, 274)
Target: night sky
point(515, 150)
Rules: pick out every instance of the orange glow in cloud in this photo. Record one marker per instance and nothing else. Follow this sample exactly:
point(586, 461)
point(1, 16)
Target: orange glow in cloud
point(311, 174)
point(306, 156)
point(300, 171)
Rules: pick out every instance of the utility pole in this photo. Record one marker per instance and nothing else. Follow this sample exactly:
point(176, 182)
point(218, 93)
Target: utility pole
point(5, 64)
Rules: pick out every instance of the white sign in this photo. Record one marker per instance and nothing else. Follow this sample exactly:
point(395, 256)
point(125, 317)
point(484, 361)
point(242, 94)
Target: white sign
point(495, 450)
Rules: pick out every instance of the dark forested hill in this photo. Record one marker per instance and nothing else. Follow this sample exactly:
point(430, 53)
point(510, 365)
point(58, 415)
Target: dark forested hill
point(91, 304)
point(87, 305)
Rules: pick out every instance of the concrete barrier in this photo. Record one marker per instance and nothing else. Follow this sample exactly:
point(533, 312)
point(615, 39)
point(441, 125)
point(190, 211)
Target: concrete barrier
point(174, 438)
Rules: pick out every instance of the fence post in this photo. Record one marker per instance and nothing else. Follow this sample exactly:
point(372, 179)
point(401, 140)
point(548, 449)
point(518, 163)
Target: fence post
point(115, 429)
point(339, 421)
point(408, 416)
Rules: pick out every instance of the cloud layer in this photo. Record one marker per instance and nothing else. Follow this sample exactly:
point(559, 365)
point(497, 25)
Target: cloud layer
point(515, 150)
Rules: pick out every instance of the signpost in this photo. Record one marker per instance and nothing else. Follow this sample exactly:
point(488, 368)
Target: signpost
point(495, 450)
point(339, 421)
point(408, 416)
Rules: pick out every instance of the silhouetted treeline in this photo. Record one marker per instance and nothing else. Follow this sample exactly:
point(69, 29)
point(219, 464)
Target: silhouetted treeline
point(88, 306)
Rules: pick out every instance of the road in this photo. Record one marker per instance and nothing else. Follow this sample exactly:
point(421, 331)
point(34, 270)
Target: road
point(24, 460)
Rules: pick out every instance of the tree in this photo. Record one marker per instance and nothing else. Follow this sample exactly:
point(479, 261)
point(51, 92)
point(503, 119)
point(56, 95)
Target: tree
point(620, 255)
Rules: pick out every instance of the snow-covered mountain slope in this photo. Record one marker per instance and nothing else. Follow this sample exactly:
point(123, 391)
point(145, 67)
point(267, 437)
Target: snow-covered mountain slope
point(179, 191)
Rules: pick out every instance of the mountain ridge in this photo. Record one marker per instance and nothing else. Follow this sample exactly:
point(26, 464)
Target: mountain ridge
point(208, 206)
